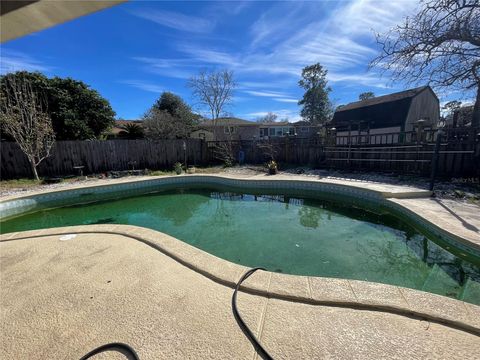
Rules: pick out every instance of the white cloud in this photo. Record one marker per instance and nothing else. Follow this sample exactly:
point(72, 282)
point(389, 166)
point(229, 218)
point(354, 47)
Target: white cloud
point(275, 23)
point(173, 68)
point(272, 94)
point(177, 20)
point(144, 85)
point(362, 17)
point(367, 79)
point(11, 61)
point(341, 42)
point(209, 56)
point(264, 84)
point(286, 100)
point(228, 7)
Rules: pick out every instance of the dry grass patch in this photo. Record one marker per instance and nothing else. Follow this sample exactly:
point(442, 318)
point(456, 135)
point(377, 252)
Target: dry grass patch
point(19, 184)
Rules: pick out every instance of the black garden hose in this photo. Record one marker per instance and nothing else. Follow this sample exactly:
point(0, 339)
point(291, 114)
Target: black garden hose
point(129, 351)
point(248, 333)
point(126, 350)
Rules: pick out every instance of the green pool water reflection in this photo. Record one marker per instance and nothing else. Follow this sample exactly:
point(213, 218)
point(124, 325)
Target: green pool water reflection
point(284, 234)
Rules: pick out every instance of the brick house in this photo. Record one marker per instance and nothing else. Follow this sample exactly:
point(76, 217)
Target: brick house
point(227, 128)
point(238, 129)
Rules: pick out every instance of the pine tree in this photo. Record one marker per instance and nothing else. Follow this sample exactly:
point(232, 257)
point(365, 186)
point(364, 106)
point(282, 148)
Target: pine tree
point(316, 106)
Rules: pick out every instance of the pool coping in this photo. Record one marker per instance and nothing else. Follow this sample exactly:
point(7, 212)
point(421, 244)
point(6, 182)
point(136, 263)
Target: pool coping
point(355, 294)
point(403, 192)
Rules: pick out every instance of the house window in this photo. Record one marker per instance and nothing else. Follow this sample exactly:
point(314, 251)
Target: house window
point(201, 136)
point(303, 129)
point(272, 131)
point(229, 130)
point(292, 131)
point(263, 132)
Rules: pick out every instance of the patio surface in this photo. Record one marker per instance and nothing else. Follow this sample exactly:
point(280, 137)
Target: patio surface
point(62, 298)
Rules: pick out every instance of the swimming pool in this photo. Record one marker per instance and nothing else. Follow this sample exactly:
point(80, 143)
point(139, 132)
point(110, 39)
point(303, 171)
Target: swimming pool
point(283, 231)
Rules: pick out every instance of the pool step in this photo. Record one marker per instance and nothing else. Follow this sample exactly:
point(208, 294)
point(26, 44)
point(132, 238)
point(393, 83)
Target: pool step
point(471, 291)
point(439, 282)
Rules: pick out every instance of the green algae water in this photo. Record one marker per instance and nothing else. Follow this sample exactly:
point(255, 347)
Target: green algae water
point(287, 234)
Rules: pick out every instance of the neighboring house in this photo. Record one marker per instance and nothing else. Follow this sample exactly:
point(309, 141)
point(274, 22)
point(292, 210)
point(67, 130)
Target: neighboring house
point(203, 133)
point(303, 129)
point(119, 124)
point(379, 120)
point(275, 129)
point(238, 129)
point(228, 128)
point(299, 129)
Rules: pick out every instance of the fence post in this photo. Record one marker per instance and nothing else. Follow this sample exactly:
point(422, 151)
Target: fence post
point(349, 145)
point(286, 149)
point(435, 159)
point(184, 147)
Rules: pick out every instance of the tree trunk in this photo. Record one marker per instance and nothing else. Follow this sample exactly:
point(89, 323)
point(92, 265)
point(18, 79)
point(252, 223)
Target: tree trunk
point(476, 110)
point(34, 170)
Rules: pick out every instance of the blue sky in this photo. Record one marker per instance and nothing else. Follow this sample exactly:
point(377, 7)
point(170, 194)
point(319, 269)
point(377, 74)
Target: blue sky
point(132, 52)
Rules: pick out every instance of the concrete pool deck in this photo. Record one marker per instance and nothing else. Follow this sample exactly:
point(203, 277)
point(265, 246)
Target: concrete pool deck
point(63, 296)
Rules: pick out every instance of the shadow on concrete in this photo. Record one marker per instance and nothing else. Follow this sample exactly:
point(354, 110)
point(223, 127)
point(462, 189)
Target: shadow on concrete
point(464, 223)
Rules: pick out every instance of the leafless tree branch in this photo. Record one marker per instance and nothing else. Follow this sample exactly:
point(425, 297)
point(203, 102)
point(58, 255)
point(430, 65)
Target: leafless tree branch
point(214, 90)
point(440, 45)
point(24, 117)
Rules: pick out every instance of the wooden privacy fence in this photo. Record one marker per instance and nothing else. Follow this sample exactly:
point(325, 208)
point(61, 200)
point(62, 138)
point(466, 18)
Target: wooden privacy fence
point(286, 150)
point(408, 152)
point(101, 156)
point(458, 152)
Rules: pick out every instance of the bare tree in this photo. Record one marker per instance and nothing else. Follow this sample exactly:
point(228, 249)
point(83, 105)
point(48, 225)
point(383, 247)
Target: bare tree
point(24, 118)
point(214, 90)
point(269, 149)
point(225, 152)
point(268, 118)
point(440, 45)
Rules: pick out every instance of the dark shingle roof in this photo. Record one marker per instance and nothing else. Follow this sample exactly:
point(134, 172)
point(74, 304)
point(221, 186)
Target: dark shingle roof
point(275, 123)
point(228, 121)
point(304, 123)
